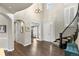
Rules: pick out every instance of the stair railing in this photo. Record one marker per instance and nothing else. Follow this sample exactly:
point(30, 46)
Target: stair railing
point(76, 33)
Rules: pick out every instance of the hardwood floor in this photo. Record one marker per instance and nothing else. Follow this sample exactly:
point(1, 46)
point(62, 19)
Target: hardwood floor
point(37, 48)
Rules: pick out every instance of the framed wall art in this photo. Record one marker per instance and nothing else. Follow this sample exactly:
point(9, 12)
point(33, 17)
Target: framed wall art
point(2, 28)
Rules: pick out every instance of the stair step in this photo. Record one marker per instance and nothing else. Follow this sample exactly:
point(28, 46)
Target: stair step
point(63, 41)
point(68, 38)
point(56, 44)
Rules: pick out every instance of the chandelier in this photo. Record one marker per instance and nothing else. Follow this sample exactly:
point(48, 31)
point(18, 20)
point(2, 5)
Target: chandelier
point(37, 10)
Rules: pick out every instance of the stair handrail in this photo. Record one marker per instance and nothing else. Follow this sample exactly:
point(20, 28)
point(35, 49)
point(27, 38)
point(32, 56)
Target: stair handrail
point(77, 14)
point(71, 21)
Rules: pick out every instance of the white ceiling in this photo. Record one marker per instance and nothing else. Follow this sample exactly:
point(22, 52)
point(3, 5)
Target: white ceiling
point(70, 4)
point(14, 7)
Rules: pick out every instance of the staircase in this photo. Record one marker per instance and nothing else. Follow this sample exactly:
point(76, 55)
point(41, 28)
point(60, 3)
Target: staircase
point(62, 41)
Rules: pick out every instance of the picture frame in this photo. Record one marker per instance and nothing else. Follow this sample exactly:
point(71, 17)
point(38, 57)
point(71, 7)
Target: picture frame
point(2, 28)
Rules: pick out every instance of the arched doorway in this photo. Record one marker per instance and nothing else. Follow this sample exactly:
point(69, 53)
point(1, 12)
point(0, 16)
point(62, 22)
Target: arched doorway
point(22, 32)
point(19, 31)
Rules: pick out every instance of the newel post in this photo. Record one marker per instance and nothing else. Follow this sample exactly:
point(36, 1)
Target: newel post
point(60, 40)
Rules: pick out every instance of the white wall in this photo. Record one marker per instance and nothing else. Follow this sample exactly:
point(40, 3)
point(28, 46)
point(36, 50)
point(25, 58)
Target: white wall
point(3, 36)
point(50, 20)
point(6, 39)
point(54, 17)
point(28, 16)
point(53, 21)
point(11, 32)
point(71, 13)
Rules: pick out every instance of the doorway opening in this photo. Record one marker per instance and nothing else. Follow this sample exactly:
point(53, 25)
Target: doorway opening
point(19, 31)
point(35, 31)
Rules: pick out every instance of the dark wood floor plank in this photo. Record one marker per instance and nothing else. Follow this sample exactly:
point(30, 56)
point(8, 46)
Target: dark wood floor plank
point(37, 48)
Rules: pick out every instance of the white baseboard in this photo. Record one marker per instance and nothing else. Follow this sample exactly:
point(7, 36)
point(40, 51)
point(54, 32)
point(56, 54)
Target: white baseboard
point(8, 49)
point(27, 44)
point(40, 40)
point(47, 41)
point(23, 43)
